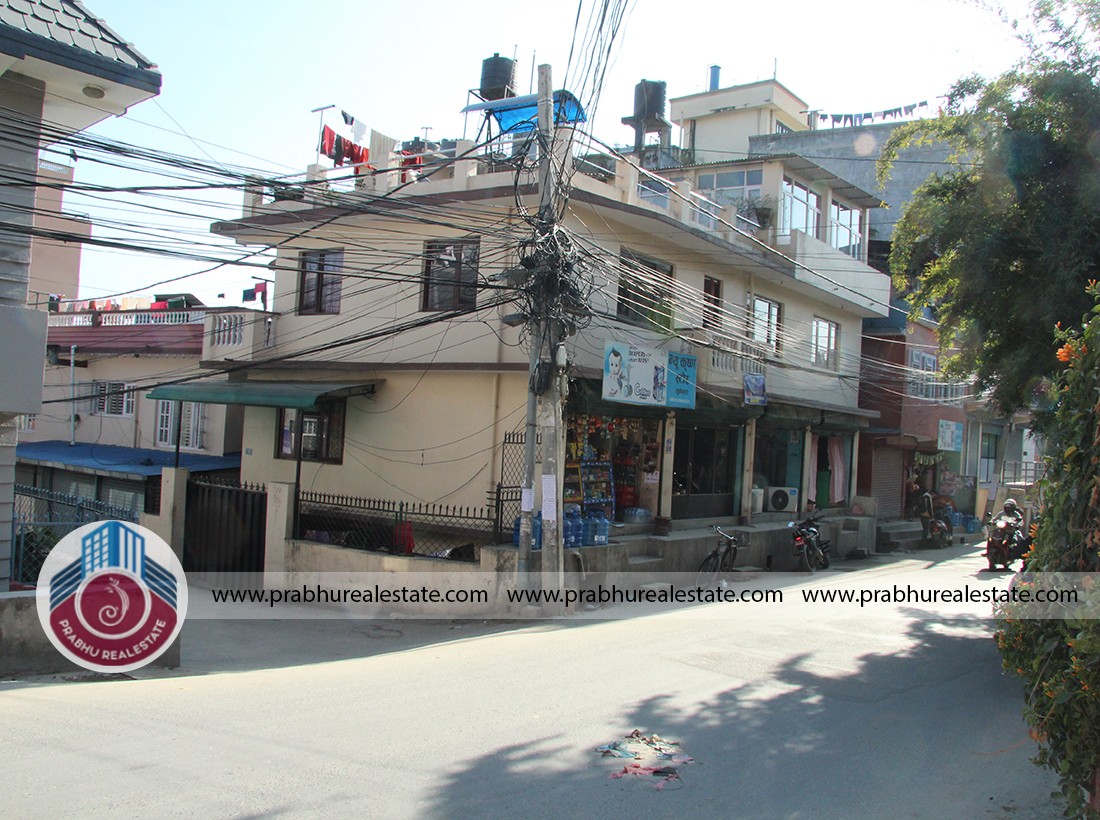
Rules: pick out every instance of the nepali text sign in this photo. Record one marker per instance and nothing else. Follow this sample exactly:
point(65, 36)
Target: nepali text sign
point(636, 375)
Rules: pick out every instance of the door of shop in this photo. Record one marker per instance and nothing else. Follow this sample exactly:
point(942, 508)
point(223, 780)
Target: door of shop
point(705, 472)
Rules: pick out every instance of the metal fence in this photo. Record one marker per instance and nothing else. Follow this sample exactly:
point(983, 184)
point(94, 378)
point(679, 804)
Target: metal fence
point(1026, 473)
point(436, 530)
point(43, 517)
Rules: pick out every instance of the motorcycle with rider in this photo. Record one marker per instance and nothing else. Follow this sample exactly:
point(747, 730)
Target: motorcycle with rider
point(1007, 540)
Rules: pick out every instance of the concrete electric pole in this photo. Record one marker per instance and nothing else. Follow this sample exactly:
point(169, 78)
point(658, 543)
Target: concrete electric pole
point(547, 382)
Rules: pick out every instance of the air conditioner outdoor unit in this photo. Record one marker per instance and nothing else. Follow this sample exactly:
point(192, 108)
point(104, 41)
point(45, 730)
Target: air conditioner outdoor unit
point(781, 499)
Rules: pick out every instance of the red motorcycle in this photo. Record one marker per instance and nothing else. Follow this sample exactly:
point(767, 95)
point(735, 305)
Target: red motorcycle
point(1006, 542)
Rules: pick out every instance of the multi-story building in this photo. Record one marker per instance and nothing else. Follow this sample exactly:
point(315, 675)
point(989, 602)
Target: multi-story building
point(61, 70)
point(931, 433)
point(392, 366)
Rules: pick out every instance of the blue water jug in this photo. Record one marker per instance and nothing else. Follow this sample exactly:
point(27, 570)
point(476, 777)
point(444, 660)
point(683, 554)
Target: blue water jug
point(536, 532)
point(576, 538)
point(567, 532)
point(603, 529)
point(515, 532)
point(588, 531)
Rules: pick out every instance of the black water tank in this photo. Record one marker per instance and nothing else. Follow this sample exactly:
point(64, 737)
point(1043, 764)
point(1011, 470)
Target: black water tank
point(497, 78)
point(649, 101)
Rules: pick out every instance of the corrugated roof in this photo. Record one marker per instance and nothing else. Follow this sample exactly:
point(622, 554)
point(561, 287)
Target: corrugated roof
point(70, 23)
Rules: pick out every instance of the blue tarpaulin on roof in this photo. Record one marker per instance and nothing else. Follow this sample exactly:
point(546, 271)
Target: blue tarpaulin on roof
point(518, 114)
point(110, 459)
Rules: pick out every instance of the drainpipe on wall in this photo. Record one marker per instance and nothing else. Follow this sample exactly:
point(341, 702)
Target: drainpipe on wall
point(72, 394)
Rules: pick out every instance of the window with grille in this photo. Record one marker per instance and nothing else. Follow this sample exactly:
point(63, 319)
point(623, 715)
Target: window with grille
point(321, 433)
point(187, 417)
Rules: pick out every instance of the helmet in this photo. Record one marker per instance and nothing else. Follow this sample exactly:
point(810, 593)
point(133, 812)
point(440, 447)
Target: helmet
point(1010, 504)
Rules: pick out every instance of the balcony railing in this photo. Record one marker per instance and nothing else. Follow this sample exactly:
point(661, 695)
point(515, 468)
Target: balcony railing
point(127, 318)
point(1024, 473)
point(238, 334)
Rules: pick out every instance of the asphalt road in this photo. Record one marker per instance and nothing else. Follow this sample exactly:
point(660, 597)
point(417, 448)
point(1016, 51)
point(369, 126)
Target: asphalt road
point(877, 713)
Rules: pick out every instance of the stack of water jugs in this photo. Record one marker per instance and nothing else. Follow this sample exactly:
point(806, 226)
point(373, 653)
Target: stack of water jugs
point(576, 531)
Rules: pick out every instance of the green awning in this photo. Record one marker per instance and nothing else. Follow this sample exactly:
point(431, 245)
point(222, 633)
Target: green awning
point(298, 395)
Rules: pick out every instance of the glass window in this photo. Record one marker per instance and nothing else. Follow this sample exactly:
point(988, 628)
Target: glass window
point(801, 209)
point(450, 274)
point(644, 295)
point(738, 188)
point(765, 324)
point(823, 343)
point(320, 281)
point(846, 234)
point(322, 433)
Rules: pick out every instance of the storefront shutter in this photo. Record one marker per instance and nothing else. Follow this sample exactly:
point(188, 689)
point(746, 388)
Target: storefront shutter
point(888, 481)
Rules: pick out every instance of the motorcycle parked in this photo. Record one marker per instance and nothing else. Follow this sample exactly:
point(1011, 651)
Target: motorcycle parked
point(810, 548)
point(1006, 542)
point(939, 535)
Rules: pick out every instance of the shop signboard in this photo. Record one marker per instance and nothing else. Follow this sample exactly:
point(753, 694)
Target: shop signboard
point(756, 392)
point(637, 375)
point(951, 436)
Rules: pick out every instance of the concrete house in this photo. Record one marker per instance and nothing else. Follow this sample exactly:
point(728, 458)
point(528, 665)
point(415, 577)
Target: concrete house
point(61, 70)
point(99, 435)
point(930, 433)
point(392, 366)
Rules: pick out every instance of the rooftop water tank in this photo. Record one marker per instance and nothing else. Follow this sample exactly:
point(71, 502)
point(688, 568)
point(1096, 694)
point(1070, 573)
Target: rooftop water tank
point(498, 78)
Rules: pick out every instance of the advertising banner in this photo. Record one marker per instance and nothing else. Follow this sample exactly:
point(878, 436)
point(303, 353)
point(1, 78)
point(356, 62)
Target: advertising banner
point(636, 375)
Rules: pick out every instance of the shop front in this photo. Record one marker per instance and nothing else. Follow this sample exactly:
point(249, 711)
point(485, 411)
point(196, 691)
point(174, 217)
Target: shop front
point(707, 469)
point(802, 454)
point(613, 465)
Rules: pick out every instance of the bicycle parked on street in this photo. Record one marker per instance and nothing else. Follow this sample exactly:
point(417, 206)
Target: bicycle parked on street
point(721, 560)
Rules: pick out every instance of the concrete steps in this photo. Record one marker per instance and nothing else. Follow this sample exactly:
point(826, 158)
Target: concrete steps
point(892, 536)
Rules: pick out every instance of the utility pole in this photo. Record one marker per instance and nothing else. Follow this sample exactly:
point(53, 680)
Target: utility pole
point(547, 382)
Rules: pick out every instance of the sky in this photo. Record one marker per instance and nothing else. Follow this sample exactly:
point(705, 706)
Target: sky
point(240, 78)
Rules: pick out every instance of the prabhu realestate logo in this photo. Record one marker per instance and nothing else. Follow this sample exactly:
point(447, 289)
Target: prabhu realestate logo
point(112, 596)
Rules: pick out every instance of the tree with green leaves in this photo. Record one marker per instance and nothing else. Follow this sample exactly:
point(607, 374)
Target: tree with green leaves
point(1058, 656)
point(1002, 245)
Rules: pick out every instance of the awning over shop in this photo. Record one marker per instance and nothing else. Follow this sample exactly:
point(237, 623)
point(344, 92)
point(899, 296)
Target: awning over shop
point(821, 419)
point(297, 395)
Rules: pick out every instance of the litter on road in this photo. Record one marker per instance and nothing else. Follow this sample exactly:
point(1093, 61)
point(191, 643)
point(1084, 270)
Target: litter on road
point(653, 756)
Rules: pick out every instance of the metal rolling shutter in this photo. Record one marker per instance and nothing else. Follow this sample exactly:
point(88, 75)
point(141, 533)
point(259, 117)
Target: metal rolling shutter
point(887, 481)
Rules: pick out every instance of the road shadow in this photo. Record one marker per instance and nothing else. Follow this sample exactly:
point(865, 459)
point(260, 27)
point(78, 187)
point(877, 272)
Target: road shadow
point(934, 731)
